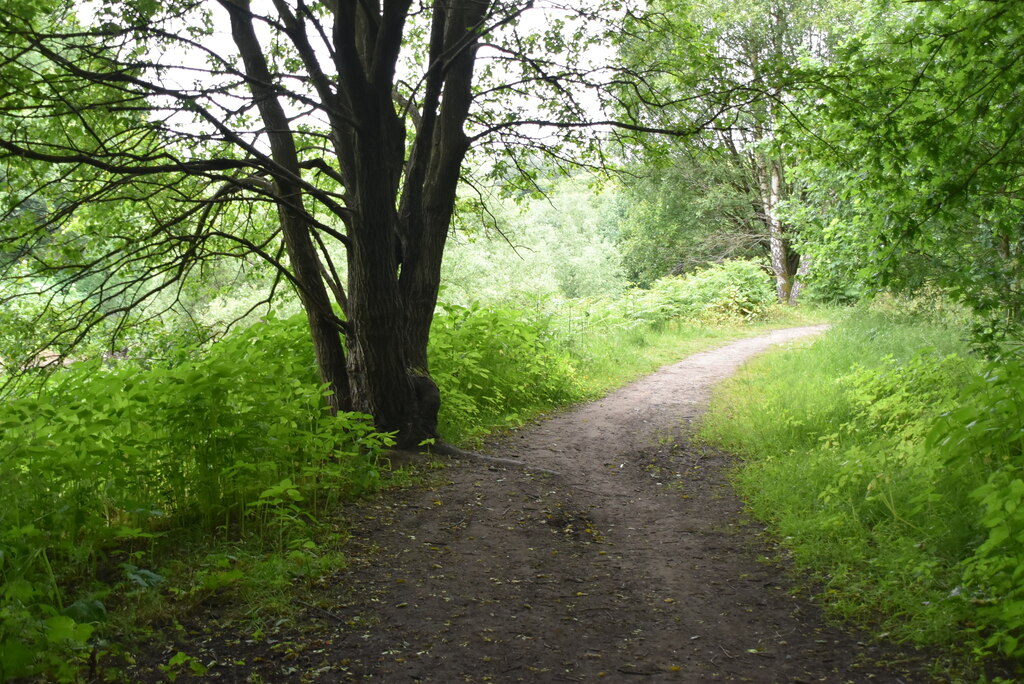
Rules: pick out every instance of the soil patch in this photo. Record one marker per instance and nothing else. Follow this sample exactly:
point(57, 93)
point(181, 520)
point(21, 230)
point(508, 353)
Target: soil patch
point(635, 562)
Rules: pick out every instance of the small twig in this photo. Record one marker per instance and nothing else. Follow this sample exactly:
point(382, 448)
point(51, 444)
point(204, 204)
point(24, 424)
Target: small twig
point(454, 452)
point(327, 613)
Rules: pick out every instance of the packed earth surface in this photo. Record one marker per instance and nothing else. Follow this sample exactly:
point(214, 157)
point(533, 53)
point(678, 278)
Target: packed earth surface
point(597, 544)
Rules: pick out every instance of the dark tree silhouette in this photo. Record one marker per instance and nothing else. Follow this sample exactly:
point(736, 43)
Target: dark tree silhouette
point(162, 135)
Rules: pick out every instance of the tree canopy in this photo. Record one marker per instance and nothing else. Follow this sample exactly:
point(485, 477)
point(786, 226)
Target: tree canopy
point(161, 137)
point(910, 153)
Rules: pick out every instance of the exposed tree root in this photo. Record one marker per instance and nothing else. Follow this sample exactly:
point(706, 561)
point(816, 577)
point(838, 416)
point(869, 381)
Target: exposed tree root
point(401, 457)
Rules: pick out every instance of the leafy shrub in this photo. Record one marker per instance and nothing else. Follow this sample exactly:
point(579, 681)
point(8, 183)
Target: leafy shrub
point(495, 367)
point(107, 457)
point(982, 443)
point(734, 289)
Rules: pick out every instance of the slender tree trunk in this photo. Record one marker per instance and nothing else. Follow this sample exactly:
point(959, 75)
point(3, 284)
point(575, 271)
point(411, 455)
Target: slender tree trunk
point(432, 181)
point(798, 282)
point(323, 323)
point(772, 192)
point(784, 262)
point(1012, 259)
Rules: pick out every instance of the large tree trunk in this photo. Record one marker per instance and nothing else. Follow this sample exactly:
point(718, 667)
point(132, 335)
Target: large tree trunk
point(394, 248)
point(377, 316)
point(395, 254)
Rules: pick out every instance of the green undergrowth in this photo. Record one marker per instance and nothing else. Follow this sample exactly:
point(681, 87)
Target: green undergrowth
point(498, 366)
point(889, 461)
point(117, 470)
point(147, 490)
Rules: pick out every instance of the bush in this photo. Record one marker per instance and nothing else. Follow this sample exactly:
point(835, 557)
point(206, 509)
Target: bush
point(495, 367)
point(107, 458)
point(732, 290)
point(981, 445)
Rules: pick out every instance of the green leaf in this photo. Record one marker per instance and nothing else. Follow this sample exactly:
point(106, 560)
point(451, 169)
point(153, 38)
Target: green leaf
point(62, 628)
point(15, 659)
point(87, 611)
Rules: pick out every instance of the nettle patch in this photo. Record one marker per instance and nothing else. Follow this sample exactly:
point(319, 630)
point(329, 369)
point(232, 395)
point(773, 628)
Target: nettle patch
point(115, 466)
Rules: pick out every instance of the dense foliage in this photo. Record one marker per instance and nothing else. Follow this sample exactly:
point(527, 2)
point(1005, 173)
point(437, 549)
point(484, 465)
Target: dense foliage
point(684, 211)
point(909, 454)
point(909, 150)
point(497, 367)
point(117, 465)
point(113, 464)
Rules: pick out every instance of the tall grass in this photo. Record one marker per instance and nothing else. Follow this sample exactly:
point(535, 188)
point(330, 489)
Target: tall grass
point(784, 402)
point(888, 460)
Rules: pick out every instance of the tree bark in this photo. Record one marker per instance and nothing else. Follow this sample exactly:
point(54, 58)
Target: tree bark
point(771, 193)
point(396, 248)
point(798, 283)
point(785, 262)
point(324, 325)
point(433, 173)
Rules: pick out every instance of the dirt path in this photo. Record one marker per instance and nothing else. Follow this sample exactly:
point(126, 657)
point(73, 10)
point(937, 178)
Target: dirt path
point(634, 563)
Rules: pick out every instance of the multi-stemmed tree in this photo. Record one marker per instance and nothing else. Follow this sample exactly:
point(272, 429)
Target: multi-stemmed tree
point(163, 135)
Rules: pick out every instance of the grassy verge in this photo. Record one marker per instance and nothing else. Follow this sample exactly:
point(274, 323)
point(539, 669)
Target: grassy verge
point(619, 357)
point(888, 461)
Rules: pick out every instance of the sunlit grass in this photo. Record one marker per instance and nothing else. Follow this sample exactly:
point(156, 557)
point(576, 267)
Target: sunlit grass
point(617, 357)
point(832, 439)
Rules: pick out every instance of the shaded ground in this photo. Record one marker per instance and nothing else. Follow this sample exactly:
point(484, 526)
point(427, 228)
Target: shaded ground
point(634, 563)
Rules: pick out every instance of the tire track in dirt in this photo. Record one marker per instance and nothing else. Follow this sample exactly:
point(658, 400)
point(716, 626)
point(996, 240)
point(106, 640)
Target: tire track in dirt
point(634, 563)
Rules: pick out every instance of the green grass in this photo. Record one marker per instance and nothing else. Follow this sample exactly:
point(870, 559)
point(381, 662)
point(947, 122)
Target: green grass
point(617, 357)
point(859, 449)
point(144, 491)
point(782, 401)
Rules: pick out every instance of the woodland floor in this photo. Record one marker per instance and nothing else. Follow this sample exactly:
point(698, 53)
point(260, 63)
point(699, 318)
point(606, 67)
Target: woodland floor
point(636, 562)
